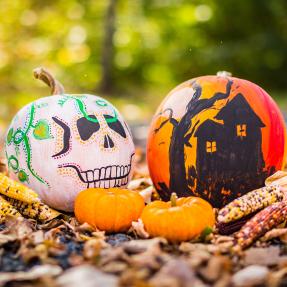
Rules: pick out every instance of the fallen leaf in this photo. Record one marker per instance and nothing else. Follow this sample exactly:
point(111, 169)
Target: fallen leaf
point(37, 237)
point(274, 233)
point(86, 276)
point(4, 238)
point(33, 274)
point(147, 194)
point(139, 246)
point(139, 183)
point(92, 248)
point(276, 277)
point(138, 228)
point(19, 227)
point(250, 276)
point(215, 267)
point(198, 258)
point(175, 272)
point(108, 255)
point(264, 256)
point(115, 267)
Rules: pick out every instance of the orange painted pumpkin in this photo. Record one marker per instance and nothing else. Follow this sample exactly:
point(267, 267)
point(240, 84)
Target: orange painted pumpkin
point(216, 137)
point(179, 219)
point(110, 210)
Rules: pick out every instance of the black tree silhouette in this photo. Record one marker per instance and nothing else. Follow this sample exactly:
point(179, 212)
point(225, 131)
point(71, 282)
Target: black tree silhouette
point(180, 138)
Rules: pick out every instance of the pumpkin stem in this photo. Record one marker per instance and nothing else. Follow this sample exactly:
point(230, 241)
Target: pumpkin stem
point(45, 76)
point(223, 74)
point(173, 199)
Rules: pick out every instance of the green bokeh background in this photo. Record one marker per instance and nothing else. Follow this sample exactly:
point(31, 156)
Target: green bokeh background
point(134, 51)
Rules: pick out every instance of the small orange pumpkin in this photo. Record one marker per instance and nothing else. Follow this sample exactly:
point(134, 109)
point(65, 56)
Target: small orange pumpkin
point(179, 219)
point(110, 210)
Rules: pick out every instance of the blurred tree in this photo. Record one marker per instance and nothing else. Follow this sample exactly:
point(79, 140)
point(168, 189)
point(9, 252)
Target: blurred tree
point(108, 48)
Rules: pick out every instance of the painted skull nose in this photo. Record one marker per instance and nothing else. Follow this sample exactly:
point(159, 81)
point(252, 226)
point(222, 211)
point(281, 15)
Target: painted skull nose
point(108, 142)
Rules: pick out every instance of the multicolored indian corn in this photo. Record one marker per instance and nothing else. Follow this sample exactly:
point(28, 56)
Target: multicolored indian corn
point(16, 200)
point(35, 210)
point(7, 209)
point(250, 202)
point(16, 190)
point(262, 222)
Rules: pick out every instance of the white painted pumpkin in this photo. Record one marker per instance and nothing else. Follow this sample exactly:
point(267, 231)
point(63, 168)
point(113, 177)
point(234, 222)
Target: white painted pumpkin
point(62, 144)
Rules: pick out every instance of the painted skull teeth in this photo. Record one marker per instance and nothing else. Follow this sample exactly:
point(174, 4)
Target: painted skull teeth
point(109, 176)
point(104, 177)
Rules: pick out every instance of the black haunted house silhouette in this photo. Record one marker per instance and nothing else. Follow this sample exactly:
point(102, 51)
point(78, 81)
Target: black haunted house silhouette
point(229, 159)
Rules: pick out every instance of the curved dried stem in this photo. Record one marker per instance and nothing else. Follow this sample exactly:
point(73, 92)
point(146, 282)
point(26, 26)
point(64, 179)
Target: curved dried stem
point(45, 76)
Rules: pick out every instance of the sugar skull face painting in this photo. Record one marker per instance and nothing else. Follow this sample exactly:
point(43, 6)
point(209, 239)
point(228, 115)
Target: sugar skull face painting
point(62, 144)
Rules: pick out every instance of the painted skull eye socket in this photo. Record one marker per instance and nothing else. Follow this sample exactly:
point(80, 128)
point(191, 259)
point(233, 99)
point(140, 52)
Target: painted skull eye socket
point(66, 137)
point(87, 126)
point(115, 125)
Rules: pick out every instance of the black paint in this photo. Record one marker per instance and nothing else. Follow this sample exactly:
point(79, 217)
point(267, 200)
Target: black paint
point(87, 128)
point(116, 126)
point(108, 142)
point(66, 137)
point(234, 162)
point(237, 159)
point(178, 177)
point(113, 175)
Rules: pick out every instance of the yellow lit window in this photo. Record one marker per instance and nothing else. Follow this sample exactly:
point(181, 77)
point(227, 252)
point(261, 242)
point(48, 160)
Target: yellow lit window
point(211, 146)
point(241, 130)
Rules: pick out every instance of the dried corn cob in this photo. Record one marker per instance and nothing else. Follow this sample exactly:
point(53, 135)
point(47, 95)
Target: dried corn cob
point(16, 190)
point(262, 222)
point(233, 226)
point(35, 210)
point(250, 202)
point(7, 209)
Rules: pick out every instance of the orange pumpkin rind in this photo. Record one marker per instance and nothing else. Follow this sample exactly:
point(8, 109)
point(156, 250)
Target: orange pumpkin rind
point(182, 222)
point(110, 210)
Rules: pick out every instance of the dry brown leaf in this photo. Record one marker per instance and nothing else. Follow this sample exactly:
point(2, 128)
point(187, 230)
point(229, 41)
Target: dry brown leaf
point(35, 273)
point(189, 247)
point(176, 272)
point(37, 237)
point(223, 281)
point(140, 183)
point(139, 246)
point(224, 243)
point(76, 260)
point(4, 238)
point(115, 267)
point(138, 228)
point(269, 256)
point(85, 227)
point(274, 233)
point(108, 255)
point(215, 267)
point(40, 252)
point(51, 224)
point(86, 276)
point(19, 227)
point(218, 239)
point(92, 248)
point(198, 258)
point(147, 194)
point(135, 277)
point(276, 277)
point(252, 275)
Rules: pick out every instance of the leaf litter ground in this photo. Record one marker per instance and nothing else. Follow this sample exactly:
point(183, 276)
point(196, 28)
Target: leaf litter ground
point(66, 254)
